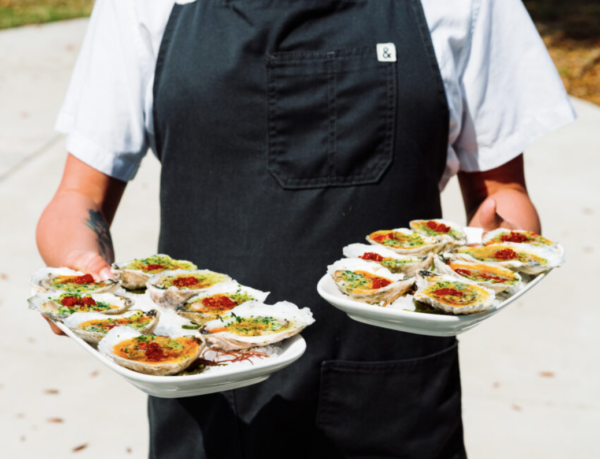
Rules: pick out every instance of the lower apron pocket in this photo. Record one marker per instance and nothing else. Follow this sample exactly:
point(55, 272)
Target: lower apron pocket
point(397, 409)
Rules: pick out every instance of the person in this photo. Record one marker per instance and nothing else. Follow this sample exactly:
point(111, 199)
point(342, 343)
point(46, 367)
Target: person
point(287, 130)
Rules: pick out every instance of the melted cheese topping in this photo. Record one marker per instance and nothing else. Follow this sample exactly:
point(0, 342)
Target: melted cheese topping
point(396, 239)
point(155, 350)
point(483, 273)
point(456, 294)
point(498, 254)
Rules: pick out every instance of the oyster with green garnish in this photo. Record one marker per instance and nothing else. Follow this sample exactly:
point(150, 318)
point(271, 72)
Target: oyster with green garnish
point(68, 280)
point(256, 324)
point(395, 263)
point(441, 229)
point(221, 299)
point(60, 305)
point(93, 326)
point(407, 242)
point(452, 295)
point(487, 275)
point(150, 354)
point(368, 282)
point(517, 257)
point(504, 235)
point(172, 288)
point(135, 273)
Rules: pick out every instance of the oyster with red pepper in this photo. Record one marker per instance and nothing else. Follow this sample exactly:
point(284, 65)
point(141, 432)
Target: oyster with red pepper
point(218, 301)
point(68, 280)
point(406, 264)
point(256, 324)
point(60, 305)
point(487, 275)
point(172, 288)
point(134, 274)
point(150, 354)
point(368, 282)
point(504, 235)
point(446, 230)
point(93, 326)
point(452, 295)
point(407, 242)
point(518, 257)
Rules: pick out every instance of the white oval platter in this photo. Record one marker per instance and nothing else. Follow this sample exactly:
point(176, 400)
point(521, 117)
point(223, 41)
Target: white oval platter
point(226, 378)
point(409, 321)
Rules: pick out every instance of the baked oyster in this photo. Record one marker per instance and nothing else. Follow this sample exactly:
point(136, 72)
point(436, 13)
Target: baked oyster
point(135, 273)
point(446, 230)
point(60, 305)
point(406, 264)
point(407, 242)
point(518, 257)
point(368, 282)
point(221, 299)
point(504, 235)
point(452, 295)
point(487, 275)
point(256, 324)
point(68, 280)
point(149, 354)
point(93, 326)
point(172, 288)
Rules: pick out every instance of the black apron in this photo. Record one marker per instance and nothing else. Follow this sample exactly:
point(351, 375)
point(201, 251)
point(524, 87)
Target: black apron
point(284, 135)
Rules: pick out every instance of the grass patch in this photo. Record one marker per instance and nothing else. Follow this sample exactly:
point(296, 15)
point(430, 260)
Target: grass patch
point(15, 13)
point(571, 31)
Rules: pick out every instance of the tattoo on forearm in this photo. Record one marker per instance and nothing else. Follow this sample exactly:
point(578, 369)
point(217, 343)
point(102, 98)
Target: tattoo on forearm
point(96, 223)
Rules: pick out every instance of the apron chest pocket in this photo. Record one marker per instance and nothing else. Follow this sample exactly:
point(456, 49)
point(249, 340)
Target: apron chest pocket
point(406, 408)
point(331, 117)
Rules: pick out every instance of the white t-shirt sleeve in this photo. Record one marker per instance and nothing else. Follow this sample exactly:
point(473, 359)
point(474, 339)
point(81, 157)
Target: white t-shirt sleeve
point(103, 112)
point(512, 94)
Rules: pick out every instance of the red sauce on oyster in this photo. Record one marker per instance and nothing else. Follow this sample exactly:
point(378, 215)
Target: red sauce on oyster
point(186, 282)
point(506, 254)
point(439, 227)
point(514, 237)
point(153, 267)
point(448, 292)
point(71, 301)
point(219, 302)
point(85, 279)
point(370, 256)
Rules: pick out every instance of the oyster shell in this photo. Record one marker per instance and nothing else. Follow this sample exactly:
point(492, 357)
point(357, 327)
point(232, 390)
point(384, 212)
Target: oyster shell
point(406, 264)
point(172, 288)
point(407, 242)
point(368, 282)
point(217, 301)
point(504, 235)
point(446, 230)
point(256, 324)
point(134, 274)
point(68, 280)
point(449, 294)
point(60, 305)
point(93, 326)
point(518, 257)
point(487, 275)
point(149, 354)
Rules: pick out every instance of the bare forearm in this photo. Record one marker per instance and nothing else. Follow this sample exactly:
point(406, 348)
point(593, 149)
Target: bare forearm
point(74, 231)
point(72, 223)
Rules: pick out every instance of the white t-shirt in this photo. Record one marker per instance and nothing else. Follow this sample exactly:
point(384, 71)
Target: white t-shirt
point(502, 88)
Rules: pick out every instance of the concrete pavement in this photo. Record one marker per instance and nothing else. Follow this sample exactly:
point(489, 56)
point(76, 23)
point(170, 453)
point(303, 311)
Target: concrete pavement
point(531, 375)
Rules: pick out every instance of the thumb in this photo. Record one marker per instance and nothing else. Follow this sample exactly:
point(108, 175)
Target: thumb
point(488, 218)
